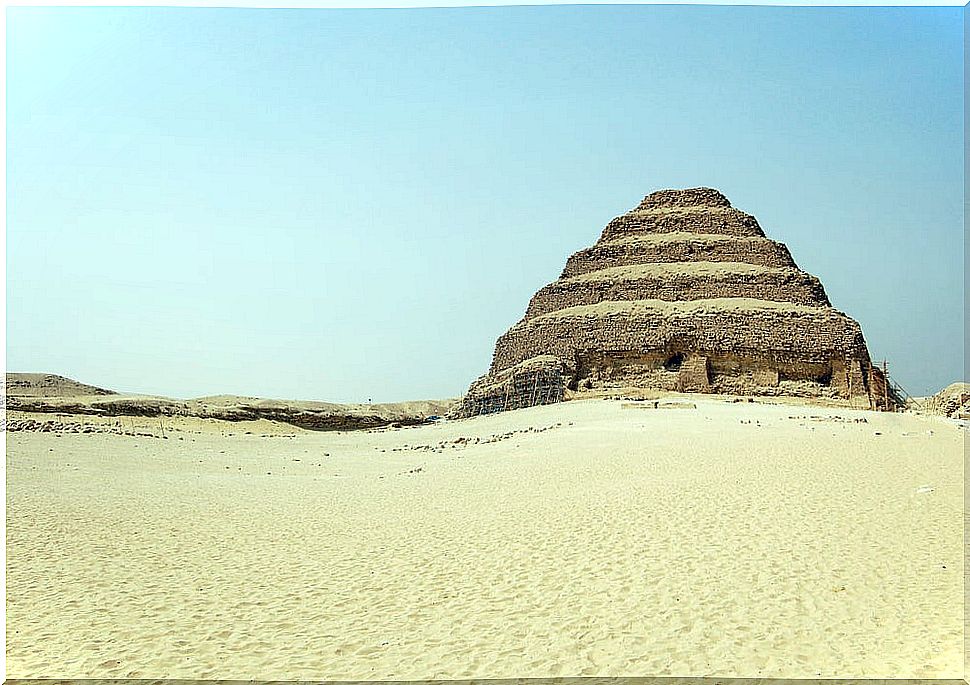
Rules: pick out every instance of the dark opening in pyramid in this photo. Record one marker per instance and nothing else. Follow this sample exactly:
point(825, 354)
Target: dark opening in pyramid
point(682, 293)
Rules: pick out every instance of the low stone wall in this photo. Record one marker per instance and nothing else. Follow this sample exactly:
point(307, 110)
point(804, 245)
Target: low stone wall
point(748, 250)
point(62, 425)
point(788, 285)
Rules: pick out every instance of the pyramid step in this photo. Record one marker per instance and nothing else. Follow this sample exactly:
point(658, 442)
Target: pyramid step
point(679, 282)
point(678, 247)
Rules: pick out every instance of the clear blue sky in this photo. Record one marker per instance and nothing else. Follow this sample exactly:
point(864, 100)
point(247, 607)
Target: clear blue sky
point(354, 204)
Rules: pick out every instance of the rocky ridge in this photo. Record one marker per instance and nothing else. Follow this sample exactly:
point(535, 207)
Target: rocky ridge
point(320, 416)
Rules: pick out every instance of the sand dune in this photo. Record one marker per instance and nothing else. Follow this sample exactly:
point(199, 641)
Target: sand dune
point(584, 538)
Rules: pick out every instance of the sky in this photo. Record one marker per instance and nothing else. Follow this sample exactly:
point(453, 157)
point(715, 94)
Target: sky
point(352, 205)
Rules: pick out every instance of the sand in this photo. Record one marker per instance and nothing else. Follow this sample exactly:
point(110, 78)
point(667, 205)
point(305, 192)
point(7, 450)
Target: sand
point(586, 538)
point(714, 305)
point(668, 270)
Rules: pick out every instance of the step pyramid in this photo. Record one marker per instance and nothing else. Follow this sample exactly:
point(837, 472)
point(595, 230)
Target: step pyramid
point(682, 293)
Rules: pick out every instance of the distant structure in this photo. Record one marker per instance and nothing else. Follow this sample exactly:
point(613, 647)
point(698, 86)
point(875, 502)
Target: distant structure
point(953, 401)
point(48, 385)
point(682, 293)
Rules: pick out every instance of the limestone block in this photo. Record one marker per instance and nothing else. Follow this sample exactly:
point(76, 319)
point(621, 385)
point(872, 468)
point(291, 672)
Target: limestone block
point(693, 375)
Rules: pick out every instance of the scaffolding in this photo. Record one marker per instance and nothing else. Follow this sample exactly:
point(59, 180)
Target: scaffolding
point(884, 393)
point(529, 389)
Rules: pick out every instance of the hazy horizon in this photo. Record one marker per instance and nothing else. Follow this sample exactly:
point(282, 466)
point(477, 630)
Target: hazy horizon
point(346, 205)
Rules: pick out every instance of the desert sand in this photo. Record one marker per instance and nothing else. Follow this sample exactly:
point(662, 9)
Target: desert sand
point(590, 537)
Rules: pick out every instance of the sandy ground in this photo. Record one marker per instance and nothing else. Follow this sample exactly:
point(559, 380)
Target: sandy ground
point(729, 539)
